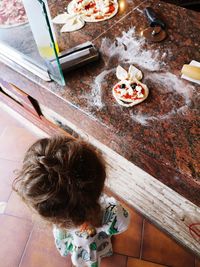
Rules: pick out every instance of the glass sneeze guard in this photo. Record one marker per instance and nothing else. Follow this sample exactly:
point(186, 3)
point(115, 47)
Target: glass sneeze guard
point(44, 36)
point(38, 45)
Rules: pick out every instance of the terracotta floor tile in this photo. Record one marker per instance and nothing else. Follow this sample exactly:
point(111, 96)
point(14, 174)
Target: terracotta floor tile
point(197, 262)
point(41, 250)
point(7, 168)
point(14, 234)
point(129, 242)
point(17, 207)
point(159, 248)
point(14, 141)
point(140, 263)
point(6, 119)
point(114, 261)
point(2, 206)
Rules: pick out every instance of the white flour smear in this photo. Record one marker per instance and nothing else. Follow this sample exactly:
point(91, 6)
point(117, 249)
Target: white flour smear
point(96, 92)
point(171, 83)
point(146, 119)
point(167, 82)
point(129, 49)
point(140, 118)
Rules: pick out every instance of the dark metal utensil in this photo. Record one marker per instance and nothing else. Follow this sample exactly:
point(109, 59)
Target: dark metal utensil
point(156, 32)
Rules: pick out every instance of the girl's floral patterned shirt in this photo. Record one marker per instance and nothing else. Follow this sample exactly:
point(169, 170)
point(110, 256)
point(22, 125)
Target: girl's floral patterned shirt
point(87, 250)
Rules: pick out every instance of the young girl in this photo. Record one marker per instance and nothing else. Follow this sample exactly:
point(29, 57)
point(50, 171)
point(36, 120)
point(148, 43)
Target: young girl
point(62, 179)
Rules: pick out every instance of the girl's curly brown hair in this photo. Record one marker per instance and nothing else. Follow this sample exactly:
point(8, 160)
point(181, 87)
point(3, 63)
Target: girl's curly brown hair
point(62, 179)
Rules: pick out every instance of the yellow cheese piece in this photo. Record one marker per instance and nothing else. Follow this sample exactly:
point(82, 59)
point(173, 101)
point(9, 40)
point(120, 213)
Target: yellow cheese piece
point(191, 71)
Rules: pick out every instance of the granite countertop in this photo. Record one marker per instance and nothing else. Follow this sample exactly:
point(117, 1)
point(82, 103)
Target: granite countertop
point(160, 135)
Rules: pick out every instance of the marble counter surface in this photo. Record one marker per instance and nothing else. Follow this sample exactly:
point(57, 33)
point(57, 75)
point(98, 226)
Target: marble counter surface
point(159, 135)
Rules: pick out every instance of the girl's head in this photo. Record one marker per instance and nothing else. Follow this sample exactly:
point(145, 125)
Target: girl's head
point(62, 179)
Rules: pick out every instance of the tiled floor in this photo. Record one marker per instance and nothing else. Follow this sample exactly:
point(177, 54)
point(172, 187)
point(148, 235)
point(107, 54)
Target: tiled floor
point(27, 242)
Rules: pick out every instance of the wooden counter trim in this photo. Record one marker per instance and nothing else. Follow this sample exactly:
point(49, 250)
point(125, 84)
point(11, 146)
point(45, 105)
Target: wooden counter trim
point(160, 204)
point(13, 99)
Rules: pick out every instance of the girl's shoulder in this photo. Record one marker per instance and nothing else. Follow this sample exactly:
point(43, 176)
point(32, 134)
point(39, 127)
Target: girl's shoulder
point(115, 217)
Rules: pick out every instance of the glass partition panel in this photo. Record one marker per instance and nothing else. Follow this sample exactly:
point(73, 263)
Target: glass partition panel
point(30, 36)
point(26, 38)
point(42, 29)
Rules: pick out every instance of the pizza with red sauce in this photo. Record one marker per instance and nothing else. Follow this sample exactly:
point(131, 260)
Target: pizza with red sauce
point(130, 92)
point(93, 10)
point(12, 13)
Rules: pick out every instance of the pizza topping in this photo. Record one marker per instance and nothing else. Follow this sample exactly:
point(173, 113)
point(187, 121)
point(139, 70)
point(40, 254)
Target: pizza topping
point(93, 10)
point(130, 91)
point(107, 10)
point(111, 8)
point(133, 85)
point(90, 5)
point(138, 88)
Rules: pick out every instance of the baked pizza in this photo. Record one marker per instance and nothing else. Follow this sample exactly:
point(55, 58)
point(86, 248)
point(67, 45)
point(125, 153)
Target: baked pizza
point(93, 10)
point(12, 13)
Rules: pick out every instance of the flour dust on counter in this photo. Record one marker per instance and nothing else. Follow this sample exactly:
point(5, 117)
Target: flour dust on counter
point(171, 83)
point(170, 86)
point(97, 90)
point(130, 49)
point(146, 119)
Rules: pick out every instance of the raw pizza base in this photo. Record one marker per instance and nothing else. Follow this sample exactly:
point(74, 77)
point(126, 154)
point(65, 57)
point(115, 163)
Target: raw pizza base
point(63, 18)
point(74, 27)
point(133, 73)
point(130, 102)
point(71, 22)
point(71, 6)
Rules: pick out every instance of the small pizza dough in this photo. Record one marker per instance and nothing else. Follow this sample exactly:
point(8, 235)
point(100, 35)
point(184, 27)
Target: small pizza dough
point(73, 25)
point(133, 73)
point(62, 18)
point(121, 73)
point(128, 102)
point(89, 16)
point(72, 22)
